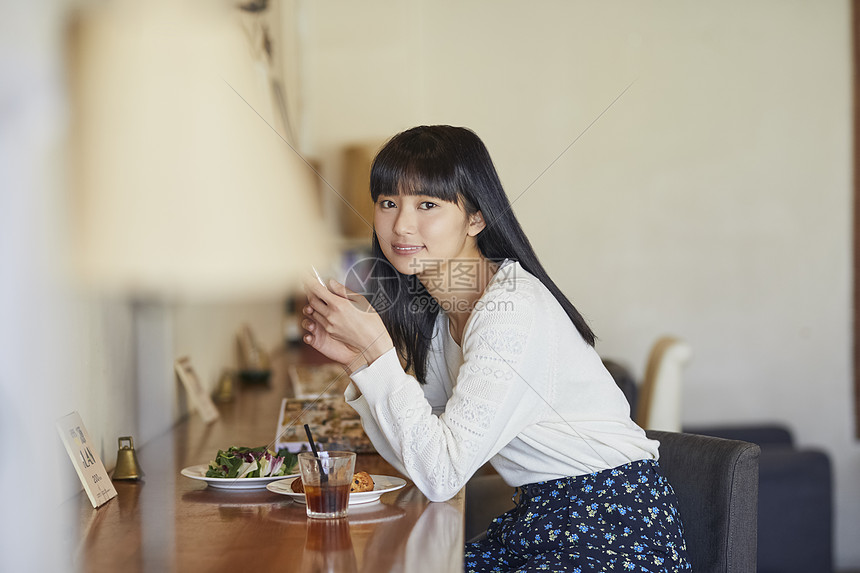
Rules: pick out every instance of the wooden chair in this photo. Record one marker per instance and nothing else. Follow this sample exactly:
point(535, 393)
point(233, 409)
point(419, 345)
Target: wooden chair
point(658, 405)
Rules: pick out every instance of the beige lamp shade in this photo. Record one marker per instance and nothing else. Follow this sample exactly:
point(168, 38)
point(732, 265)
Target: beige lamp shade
point(183, 186)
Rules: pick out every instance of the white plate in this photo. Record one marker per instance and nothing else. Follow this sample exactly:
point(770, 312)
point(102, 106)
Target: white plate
point(199, 472)
point(381, 485)
point(358, 514)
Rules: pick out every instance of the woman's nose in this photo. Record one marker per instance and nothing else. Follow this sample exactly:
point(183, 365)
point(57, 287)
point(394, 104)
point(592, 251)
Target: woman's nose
point(404, 224)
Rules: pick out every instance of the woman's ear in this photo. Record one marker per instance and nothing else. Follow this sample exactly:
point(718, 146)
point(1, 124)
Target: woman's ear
point(476, 223)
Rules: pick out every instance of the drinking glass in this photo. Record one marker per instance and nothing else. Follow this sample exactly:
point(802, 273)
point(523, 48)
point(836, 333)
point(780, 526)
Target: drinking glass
point(326, 479)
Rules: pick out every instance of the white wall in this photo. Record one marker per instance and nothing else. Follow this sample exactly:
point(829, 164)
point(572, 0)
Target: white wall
point(123, 382)
point(34, 359)
point(712, 201)
point(207, 333)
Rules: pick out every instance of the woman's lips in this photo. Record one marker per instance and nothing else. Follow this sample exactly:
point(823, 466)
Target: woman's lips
point(406, 249)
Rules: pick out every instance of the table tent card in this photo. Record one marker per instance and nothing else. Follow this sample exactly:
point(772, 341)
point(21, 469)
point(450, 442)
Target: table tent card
point(90, 469)
point(200, 399)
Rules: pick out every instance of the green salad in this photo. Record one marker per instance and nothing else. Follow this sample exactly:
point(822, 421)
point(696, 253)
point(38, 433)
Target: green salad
point(243, 462)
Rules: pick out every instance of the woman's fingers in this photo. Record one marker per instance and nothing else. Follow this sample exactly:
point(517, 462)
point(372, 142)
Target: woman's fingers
point(316, 334)
point(316, 326)
point(317, 305)
point(324, 296)
point(343, 292)
point(321, 321)
point(339, 316)
point(356, 299)
point(315, 288)
point(339, 289)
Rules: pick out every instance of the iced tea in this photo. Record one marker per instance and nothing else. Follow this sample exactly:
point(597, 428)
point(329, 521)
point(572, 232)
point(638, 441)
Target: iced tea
point(327, 498)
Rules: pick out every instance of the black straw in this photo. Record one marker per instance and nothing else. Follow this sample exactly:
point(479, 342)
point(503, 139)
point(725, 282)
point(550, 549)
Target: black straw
point(323, 475)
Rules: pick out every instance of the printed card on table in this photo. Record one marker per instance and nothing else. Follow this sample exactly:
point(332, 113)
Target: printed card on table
point(313, 381)
point(200, 399)
point(333, 423)
point(90, 469)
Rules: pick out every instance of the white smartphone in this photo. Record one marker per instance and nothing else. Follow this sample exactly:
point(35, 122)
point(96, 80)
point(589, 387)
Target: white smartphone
point(319, 278)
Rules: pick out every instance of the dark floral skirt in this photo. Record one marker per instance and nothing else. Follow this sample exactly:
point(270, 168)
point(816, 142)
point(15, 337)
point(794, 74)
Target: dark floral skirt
point(621, 519)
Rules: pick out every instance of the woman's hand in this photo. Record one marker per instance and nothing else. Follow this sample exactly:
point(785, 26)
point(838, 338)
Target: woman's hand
point(343, 325)
point(349, 357)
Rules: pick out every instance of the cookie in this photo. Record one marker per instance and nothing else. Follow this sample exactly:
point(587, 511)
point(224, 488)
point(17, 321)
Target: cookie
point(297, 486)
point(361, 481)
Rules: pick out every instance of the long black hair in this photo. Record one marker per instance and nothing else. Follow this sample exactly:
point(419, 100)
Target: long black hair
point(451, 164)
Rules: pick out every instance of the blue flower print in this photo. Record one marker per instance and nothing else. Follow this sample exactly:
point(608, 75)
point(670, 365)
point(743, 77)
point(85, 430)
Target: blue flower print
point(622, 519)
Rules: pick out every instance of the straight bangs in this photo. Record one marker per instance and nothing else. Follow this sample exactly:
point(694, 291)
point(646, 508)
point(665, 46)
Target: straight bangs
point(414, 164)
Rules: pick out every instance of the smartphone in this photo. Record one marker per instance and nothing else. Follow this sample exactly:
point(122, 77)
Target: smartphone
point(319, 278)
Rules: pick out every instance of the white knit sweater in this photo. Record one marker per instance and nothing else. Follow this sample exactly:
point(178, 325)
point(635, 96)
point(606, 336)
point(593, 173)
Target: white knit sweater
point(525, 393)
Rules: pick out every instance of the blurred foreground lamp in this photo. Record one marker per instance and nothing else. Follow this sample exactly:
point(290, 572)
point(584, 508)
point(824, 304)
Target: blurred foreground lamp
point(183, 187)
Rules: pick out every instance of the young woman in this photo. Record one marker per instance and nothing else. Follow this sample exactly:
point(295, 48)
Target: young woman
point(502, 367)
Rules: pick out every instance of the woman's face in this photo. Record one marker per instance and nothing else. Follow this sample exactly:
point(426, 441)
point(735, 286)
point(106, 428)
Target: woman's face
point(420, 234)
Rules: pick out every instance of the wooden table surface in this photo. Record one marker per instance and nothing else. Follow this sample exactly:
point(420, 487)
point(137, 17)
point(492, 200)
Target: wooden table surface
point(167, 522)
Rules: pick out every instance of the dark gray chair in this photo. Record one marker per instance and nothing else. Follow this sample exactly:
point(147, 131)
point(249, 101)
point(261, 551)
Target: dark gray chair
point(716, 481)
point(487, 497)
point(795, 499)
point(795, 491)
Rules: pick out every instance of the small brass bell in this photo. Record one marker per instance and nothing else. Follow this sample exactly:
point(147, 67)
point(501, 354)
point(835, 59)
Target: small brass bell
point(126, 461)
point(225, 392)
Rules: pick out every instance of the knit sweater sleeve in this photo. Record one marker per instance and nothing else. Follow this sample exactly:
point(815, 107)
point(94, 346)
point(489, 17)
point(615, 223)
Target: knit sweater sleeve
point(490, 404)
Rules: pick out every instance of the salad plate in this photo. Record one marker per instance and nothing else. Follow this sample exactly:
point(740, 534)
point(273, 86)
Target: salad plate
point(381, 485)
point(198, 472)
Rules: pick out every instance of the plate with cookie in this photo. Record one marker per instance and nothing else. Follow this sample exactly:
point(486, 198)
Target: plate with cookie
point(365, 487)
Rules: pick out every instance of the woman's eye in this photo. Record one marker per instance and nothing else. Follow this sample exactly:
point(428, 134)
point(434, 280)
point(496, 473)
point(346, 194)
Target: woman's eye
point(428, 205)
point(386, 203)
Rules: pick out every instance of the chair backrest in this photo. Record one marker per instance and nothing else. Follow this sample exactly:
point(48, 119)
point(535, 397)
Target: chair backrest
point(716, 482)
point(659, 402)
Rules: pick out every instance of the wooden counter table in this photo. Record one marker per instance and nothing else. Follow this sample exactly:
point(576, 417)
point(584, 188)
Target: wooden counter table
point(167, 522)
